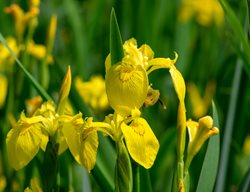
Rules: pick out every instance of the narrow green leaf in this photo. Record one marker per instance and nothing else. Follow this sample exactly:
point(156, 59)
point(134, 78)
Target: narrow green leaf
point(116, 47)
point(211, 160)
point(238, 31)
point(245, 184)
point(36, 85)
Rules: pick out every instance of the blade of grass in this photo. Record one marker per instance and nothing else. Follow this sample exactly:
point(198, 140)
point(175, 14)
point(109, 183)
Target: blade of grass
point(238, 31)
point(245, 185)
point(116, 47)
point(33, 81)
point(227, 136)
point(211, 160)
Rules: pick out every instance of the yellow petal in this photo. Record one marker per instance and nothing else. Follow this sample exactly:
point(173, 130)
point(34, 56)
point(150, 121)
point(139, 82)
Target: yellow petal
point(23, 141)
point(3, 89)
point(161, 63)
point(64, 92)
point(146, 52)
point(196, 101)
point(141, 142)
point(51, 33)
point(179, 83)
point(82, 146)
point(107, 63)
point(192, 129)
point(126, 87)
point(93, 92)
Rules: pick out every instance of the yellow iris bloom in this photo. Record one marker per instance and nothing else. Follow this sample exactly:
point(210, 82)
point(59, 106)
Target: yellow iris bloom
point(127, 81)
point(93, 92)
point(206, 12)
point(128, 89)
point(38, 51)
point(6, 60)
point(21, 18)
point(199, 132)
point(31, 133)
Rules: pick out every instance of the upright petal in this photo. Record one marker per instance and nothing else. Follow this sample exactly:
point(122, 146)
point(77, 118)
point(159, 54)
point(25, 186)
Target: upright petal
point(141, 142)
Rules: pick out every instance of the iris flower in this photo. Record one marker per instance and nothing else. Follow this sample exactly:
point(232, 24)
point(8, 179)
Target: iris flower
point(128, 89)
point(206, 12)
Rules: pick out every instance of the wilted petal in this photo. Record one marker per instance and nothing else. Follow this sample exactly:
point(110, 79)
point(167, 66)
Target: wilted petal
point(141, 142)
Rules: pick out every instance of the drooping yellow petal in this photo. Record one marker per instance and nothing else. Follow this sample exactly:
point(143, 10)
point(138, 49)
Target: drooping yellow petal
point(82, 146)
point(179, 83)
point(161, 63)
point(23, 141)
point(3, 89)
point(126, 87)
point(141, 142)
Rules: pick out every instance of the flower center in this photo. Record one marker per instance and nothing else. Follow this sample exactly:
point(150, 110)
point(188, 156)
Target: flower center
point(126, 73)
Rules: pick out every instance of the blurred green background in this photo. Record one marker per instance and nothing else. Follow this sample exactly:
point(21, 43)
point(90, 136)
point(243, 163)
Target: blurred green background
point(207, 54)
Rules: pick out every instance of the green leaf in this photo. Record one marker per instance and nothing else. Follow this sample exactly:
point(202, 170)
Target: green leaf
point(245, 184)
point(80, 49)
point(116, 47)
point(211, 160)
point(239, 33)
point(123, 170)
point(145, 180)
point(34, 82)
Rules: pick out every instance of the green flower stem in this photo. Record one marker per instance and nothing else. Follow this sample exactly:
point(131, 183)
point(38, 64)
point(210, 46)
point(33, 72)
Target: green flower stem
point(49, 168)
point(181, 126)
point(136, 177)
